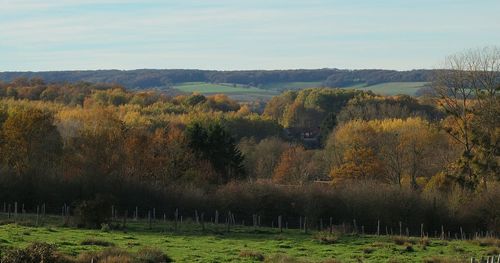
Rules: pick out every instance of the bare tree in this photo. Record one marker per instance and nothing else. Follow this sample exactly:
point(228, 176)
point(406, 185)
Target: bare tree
point(467, 89)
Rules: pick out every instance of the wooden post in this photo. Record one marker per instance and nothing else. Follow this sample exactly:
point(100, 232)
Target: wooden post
point(9, 212)
point(216, 217)
point(149, 219)
point(362, 230)
point(279, 224)
point(37, 214)
point(378, 227)
point(305, 225)
point(202, 221)
point(125, 219)
point(300, 223)
point(196, 216)
point(386, 231)
point(331, 225)
point(15, 209)
point(400, 228)
point(355, 226)
point(136, 216)
point(461, 233)
point(67, 215)
point(43, 210)
point(442, 232)
point(407, 232)
point(176, 218)
point(422, 230)
point(321, 224)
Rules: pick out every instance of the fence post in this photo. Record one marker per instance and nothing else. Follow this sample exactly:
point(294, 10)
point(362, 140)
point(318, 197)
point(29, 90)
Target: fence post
point(378, 227)
point(331, 225)
point(202, 221)
point(176, 218)
point(37, 214)
point(149, 219)
point(305, 225)
point(279, 223)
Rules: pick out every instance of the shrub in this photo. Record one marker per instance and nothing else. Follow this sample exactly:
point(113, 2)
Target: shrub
point(408, 247)
point(96, 242)
point(399, 240)
point(105, 227)
point(441, 260)
point(368, 250)
point(325, 238)
point(152, 255)
point(281, 258)
point(254, 255)
point(484, 242)
point(109, 255)
point(94, 213)
point(36, 252)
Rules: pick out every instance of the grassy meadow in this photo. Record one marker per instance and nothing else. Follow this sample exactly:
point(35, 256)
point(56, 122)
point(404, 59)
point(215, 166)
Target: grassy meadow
point(188, 243)
point(235, 91)
point(240, 92)
point(392, 88)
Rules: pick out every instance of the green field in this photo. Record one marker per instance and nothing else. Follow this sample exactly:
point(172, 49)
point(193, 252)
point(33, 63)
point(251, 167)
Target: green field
point(244, 244)
point(291, 85)
point(264, 92)
point(210, 88)
point(237, 92)
point(392, 88)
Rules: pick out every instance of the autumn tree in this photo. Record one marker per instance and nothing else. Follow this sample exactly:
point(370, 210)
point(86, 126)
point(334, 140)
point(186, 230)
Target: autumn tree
point(294, 166)
point(467, 91)
point(31, 141)
point(261, 158)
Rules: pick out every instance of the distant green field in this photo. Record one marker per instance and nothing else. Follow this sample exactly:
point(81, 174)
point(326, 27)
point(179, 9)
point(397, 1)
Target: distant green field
point(393, 88)
point(291, 85)
point(210, 88)
point(264, 92)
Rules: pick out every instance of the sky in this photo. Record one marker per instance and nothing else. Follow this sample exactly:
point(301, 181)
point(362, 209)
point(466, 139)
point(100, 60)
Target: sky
point(241, 34)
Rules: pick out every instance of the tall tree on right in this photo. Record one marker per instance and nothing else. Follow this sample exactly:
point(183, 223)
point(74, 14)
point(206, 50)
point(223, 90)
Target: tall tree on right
point(467, 89)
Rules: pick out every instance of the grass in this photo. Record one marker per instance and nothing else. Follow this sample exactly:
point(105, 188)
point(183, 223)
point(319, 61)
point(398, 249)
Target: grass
point(291, 85)
point(392, 88)
point(242, 244)
point(235, 91)
point(211, 88)
point(265, 92)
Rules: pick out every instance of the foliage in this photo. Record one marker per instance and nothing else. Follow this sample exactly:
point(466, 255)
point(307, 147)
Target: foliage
point(35, 252)
point(93, 213)
point(213, 143)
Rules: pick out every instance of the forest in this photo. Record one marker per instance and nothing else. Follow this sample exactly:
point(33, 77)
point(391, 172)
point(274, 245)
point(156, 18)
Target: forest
point(153, 78)
point(317, 152)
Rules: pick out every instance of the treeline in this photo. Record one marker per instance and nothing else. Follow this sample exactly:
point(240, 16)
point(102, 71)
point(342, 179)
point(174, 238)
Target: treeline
point(153, 78)
point(423, 159)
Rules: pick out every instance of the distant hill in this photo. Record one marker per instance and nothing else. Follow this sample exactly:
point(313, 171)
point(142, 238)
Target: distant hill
point(263, 79)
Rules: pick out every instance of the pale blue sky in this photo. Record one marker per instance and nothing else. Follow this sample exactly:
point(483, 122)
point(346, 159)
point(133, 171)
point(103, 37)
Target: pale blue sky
point(241, 34)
